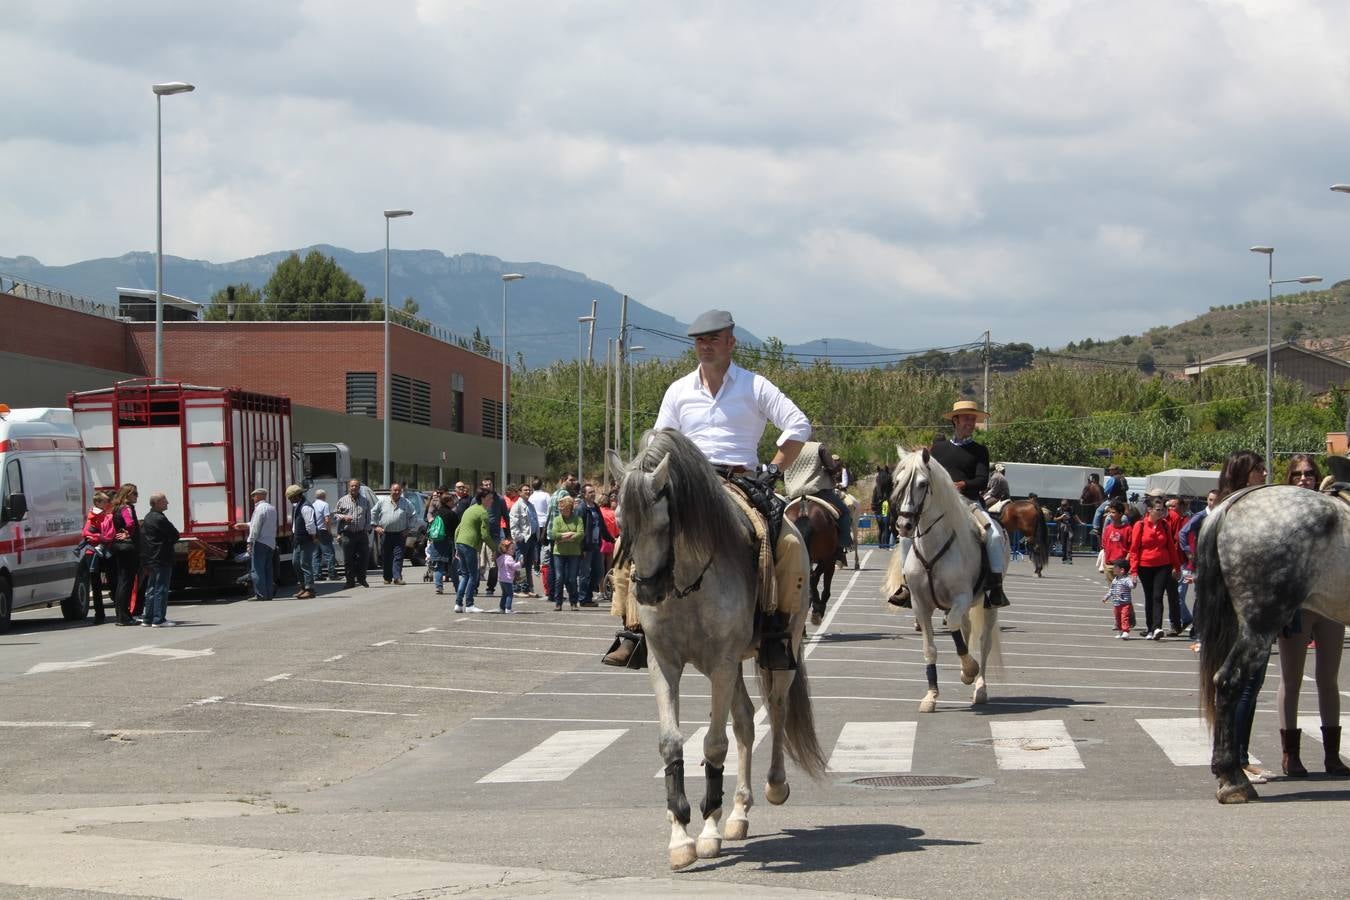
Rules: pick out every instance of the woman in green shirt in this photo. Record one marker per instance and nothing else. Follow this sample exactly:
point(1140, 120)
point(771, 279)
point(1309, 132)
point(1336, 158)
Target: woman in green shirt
point(470, 536)
point(566, 532)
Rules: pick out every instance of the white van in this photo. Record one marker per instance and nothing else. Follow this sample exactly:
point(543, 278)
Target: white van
point(45, 491)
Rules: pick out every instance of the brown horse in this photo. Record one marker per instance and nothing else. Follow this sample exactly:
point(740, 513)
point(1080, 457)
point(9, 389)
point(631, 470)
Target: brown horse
point(1026, 516)
point(820, 534)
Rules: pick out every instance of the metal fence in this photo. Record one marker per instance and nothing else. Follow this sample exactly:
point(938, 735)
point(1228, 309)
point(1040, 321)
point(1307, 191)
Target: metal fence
point(41, 293)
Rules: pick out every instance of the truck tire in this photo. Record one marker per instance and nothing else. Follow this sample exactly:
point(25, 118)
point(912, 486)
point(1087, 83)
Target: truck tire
point(6, 603)
point(76, 606)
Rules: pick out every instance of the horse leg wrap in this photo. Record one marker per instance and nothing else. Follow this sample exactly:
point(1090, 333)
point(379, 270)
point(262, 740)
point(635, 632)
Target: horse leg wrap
point(931, 671)
point(959, 640)
point(676, 802)
point(712, 796)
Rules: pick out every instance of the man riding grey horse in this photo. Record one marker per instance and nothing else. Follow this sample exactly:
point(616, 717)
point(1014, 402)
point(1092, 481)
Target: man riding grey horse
point(723, 410)
point(968, 463)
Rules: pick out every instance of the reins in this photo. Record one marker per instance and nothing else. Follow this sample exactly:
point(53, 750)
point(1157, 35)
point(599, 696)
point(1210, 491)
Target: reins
point(669, 567)
point(928, 564)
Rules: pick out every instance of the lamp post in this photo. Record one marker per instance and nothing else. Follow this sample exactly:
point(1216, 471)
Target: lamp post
point(1269, 253)
point(506, 362)
point(581, 320)
point(161, 90)
point(631, 410)
point(388, 214)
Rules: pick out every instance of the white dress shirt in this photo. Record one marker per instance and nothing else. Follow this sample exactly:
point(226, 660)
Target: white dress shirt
point(727, 428)
point(540, 500)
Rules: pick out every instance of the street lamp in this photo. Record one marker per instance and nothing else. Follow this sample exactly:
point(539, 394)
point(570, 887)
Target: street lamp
point(1341, 188)
point(506, 279)
point(165, 88)
point(388, 214)
point(1269, 253)
point(581, 320)
point(631, 408)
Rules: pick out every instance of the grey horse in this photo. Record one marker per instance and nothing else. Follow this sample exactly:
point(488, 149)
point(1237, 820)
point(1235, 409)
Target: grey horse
point(1262, 553)
point(694, 581)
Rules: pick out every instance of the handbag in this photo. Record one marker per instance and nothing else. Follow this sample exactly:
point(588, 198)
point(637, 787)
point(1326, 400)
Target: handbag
point(436, 530)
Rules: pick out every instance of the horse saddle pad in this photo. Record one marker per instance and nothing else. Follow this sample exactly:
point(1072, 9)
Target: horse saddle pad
point(998, 507)
point(820, 502)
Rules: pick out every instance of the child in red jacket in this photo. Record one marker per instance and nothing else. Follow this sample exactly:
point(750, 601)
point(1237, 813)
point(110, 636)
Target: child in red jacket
point(99, 534)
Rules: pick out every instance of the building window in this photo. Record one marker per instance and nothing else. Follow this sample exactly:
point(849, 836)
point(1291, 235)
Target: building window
point(492, 418)
point(361, 393)
point(457, 402)
point(410, 400)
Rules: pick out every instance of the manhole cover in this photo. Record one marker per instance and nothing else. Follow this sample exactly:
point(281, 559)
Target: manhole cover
point(913, 781)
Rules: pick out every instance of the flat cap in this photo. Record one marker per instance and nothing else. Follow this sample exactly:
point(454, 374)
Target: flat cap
point(294, 491)
point(258, 490)
point(1155, 493)
point(711, 321)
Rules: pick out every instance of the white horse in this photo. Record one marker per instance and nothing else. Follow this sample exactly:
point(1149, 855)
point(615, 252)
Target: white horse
point(695, 584)
point(941, 568)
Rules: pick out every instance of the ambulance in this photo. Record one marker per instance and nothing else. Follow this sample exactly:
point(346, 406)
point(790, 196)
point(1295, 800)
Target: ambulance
point(45, 491)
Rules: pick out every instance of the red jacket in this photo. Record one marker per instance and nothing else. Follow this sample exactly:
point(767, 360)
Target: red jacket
point(1116, 541)
point(1153, 544)
point(99, 529)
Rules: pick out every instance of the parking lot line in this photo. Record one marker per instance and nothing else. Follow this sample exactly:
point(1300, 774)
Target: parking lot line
point(360, 712)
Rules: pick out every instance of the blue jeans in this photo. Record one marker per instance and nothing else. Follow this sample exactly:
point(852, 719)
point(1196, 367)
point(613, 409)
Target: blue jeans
point(438, 557)
point(884, 532)
point(306, 564)
point(565, 571)
point(157, 591)
point(327, 556)
point(591, 575)
point(391, 555)
point(468, 574)
point(260, 563)
point(508, 592)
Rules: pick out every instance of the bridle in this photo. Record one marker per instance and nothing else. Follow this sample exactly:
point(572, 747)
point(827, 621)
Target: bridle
point(667, 569)
point(914, 516)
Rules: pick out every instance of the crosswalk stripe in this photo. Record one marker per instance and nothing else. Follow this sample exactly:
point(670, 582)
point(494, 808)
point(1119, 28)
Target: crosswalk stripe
point(874, 747)
point(1312, 727)
point(1186, 741)
point(555, 758)
point(693, 750)
point(1034, 744)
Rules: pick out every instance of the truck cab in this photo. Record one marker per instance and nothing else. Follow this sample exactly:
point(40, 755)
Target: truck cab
point(45, 490)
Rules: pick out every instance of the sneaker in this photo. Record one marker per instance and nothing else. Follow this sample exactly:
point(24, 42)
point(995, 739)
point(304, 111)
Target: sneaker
point(165, 623)
point(1124, 635)
point(1157, 635)
point(459, 608)
point(147, 624)
point(473, 608)
point(440, 590)
point(509, 612)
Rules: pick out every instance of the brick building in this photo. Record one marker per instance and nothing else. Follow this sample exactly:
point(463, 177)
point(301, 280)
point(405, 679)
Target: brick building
point(446, 411)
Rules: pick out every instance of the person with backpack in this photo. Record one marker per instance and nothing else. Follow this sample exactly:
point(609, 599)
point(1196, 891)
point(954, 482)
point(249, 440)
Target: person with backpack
point(305, 528)
point(441, 524)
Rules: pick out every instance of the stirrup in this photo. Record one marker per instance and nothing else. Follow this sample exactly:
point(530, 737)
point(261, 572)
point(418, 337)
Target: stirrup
point(775, 652)
point(637, 659)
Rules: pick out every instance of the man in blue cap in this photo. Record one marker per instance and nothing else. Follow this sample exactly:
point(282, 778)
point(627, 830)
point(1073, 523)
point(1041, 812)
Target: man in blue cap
point(724, 409)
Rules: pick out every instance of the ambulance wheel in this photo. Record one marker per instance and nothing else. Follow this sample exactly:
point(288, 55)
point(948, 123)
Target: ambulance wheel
point(6, 603)
point(76, 606)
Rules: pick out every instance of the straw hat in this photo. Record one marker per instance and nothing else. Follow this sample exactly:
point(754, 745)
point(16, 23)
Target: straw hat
point(966, 407)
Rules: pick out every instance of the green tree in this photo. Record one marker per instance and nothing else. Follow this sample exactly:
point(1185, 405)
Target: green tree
point(1144, 362)
point(1292, 331)
point(237, 303)
point(315, 289)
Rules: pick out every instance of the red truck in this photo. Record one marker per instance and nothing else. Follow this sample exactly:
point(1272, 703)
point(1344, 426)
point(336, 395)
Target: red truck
point(206, 449)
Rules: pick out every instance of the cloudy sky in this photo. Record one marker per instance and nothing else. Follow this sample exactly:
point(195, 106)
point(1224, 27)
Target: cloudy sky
point(915, 171)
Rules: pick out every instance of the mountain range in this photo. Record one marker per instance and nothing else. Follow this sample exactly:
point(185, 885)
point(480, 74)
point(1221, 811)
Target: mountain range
point(460, 293)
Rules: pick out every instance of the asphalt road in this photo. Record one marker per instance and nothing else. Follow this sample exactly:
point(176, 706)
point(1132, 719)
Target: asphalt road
point(373, 743)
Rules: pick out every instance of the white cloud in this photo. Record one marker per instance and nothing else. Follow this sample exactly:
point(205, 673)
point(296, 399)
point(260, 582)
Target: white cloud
point(928, 169)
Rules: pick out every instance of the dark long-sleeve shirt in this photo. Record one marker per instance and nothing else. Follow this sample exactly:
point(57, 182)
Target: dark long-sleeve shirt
point(968, 462)
point(159, 535)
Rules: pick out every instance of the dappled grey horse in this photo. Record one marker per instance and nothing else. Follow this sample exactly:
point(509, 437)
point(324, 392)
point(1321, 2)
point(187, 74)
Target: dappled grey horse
point(1263, 553)
point(694, 579)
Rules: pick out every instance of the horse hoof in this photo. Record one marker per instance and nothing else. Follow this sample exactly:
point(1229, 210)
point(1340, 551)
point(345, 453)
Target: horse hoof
point(777, 794)
point(709, 848)
point(927, 705)
point(1236, 793)
point(981, 695)
point(815, 617)
point(968, 675)
point(737, 829)
point(682, 856)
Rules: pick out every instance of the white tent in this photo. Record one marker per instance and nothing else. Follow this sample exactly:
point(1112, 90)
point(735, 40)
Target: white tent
point(1184, 482)
point(1046, 481)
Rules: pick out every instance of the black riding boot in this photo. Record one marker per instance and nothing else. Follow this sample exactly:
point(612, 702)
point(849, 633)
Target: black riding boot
point(994, 595)
point(775, 644)
point(900, 598)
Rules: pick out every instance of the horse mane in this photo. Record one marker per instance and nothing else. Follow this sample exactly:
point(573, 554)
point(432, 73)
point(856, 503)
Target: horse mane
point(703, 519)
point(942, 491)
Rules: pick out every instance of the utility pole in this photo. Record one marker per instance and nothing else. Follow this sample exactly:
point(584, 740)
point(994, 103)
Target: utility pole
point(609, 363)
point(590, 342)
point(986, 372)
point(621, 355)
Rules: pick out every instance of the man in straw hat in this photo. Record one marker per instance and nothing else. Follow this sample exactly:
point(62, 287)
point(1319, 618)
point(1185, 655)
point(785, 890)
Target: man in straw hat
point(968, 464)
point(724, 409)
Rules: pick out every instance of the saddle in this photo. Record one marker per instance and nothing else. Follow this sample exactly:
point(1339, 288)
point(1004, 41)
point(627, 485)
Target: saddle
point(997, 508)
point(817, 500)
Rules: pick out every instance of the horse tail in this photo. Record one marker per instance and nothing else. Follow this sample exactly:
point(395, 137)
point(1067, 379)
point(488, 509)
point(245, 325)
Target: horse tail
point(1040, 544)
point(799, 728)
point(802, 519)
point(1216, 622)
